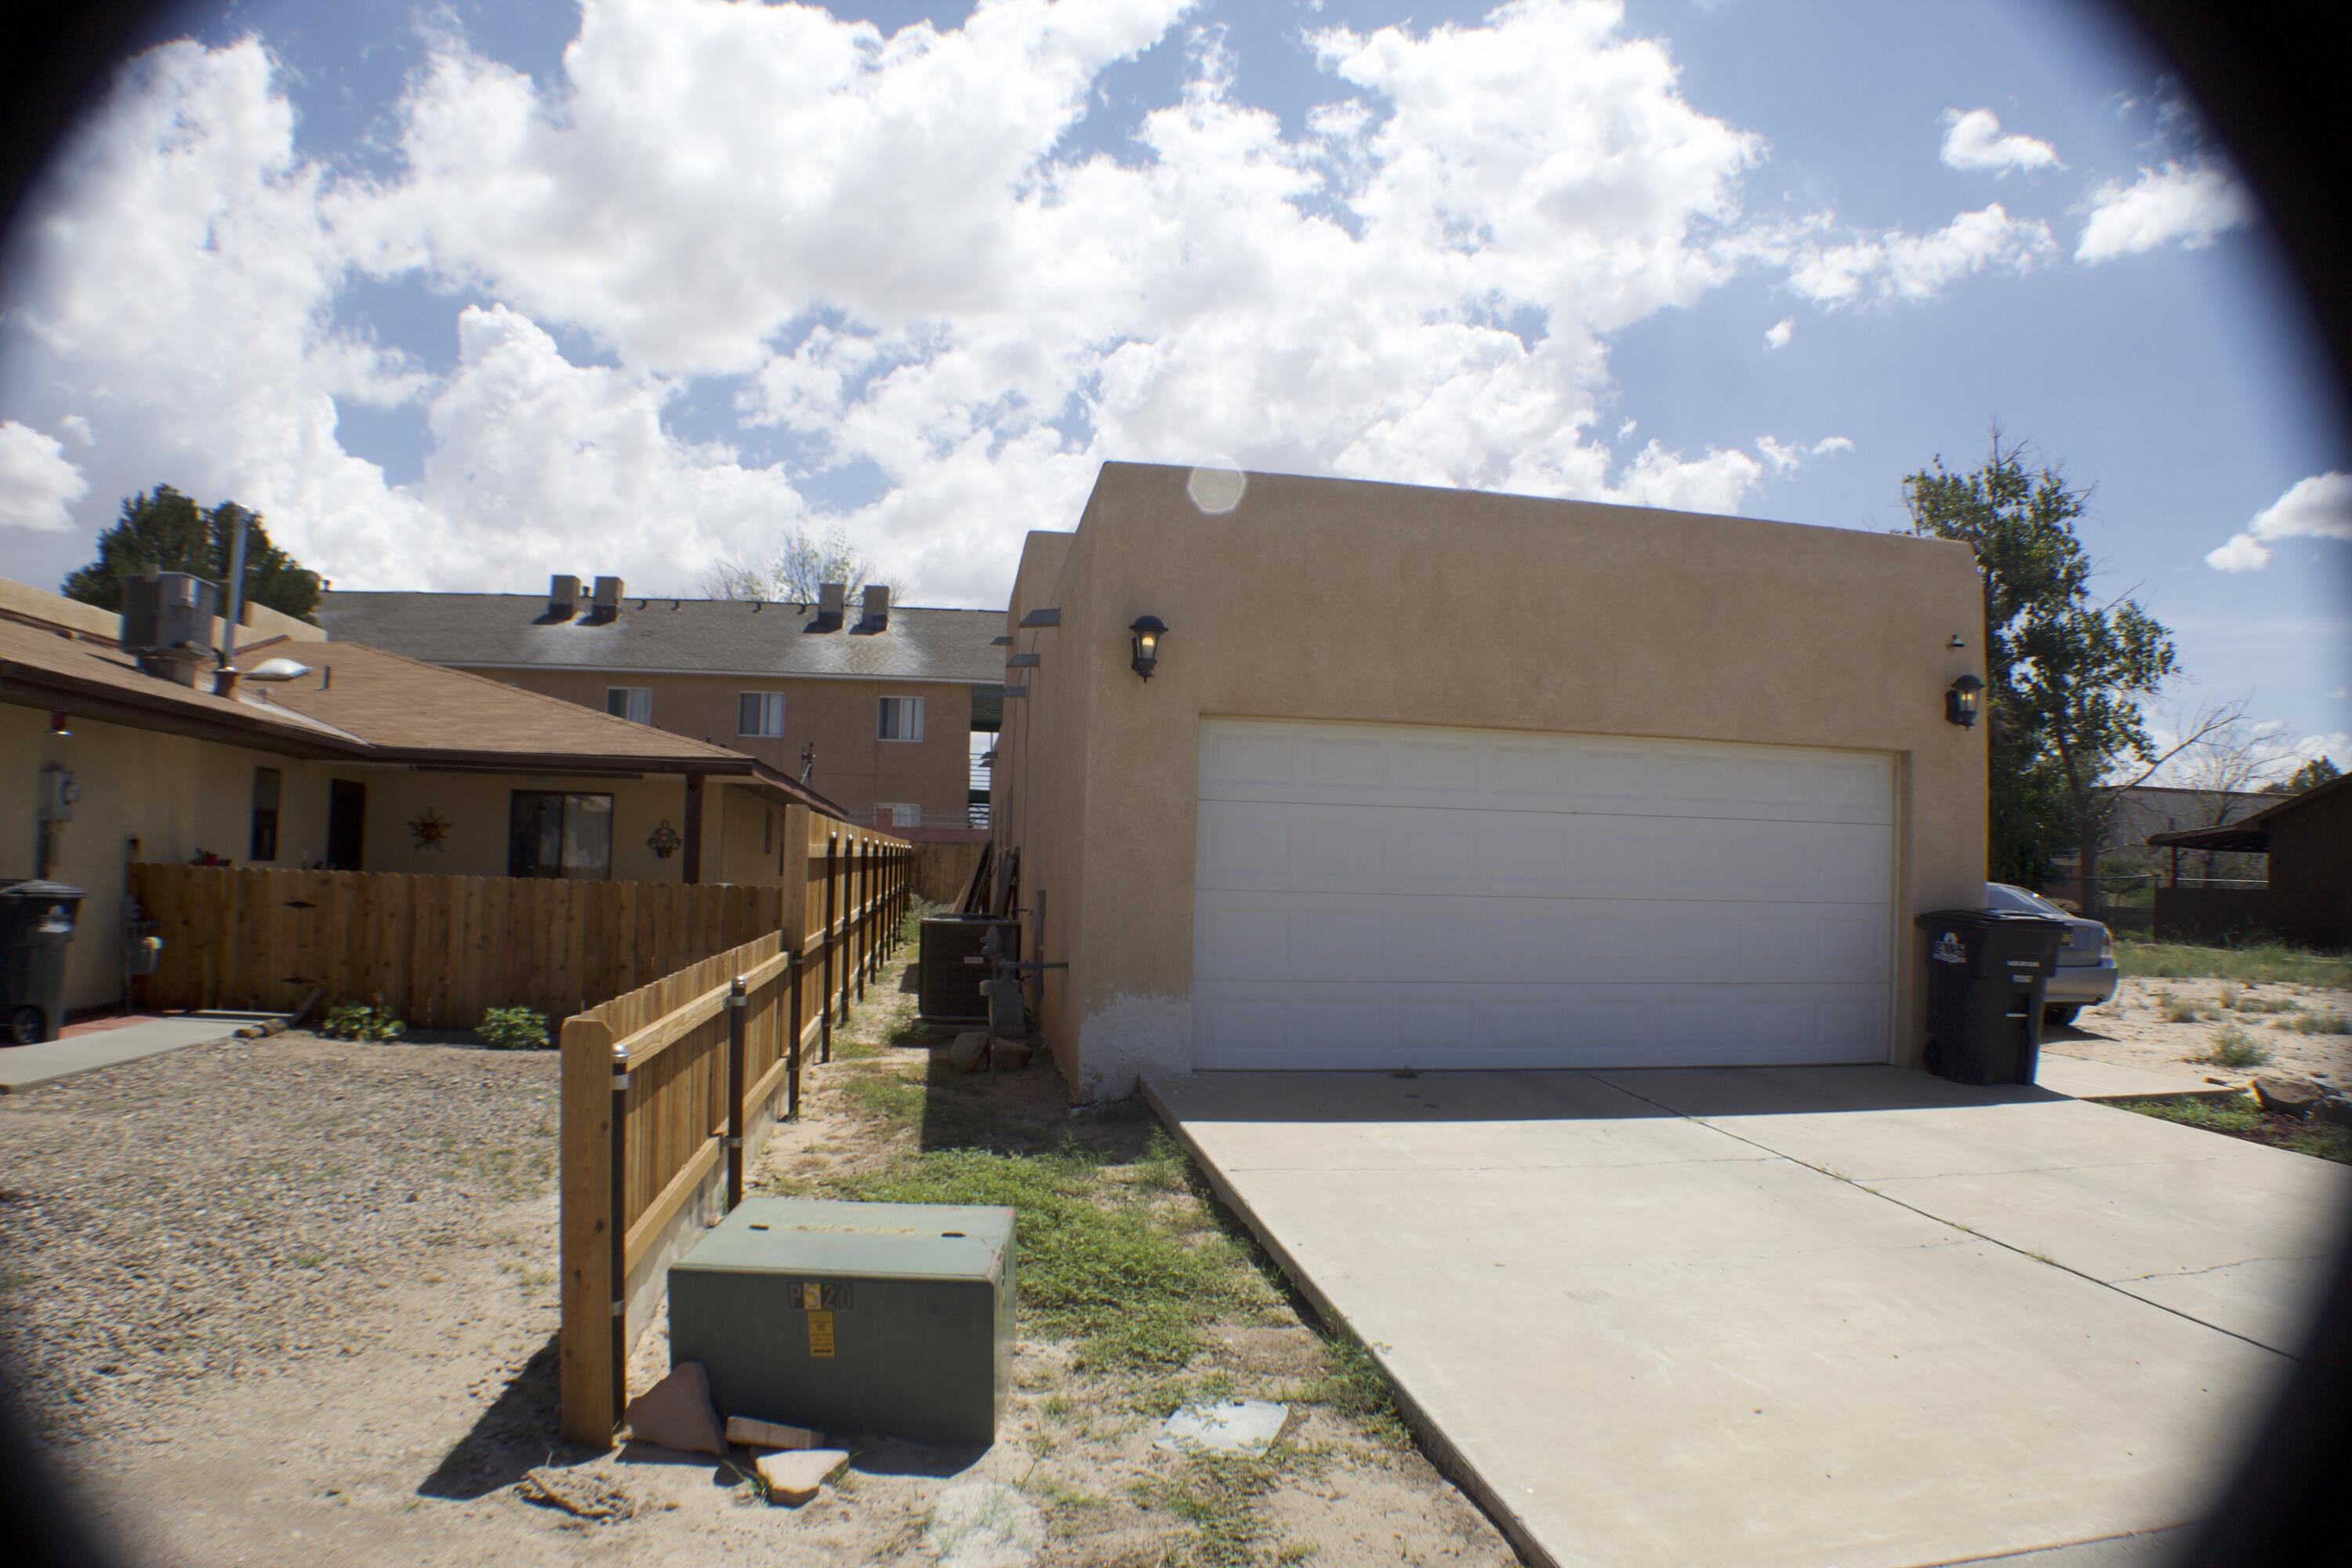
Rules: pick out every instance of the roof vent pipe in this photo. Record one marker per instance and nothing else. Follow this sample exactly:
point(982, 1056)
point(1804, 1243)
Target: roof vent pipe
point(878, 607)
point(563, 595)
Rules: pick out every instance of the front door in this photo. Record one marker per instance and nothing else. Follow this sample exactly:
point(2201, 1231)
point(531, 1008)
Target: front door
point(346, 824)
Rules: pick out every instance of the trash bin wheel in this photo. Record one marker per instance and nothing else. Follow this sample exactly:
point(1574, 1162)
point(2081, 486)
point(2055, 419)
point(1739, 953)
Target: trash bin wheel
point(1935, 1057)
point(27, 1026)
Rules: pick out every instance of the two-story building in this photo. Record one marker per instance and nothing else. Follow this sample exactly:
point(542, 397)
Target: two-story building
point(872, 704)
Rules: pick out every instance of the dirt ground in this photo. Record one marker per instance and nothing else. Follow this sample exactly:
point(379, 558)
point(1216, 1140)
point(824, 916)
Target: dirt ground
point(2144, 1026)
point(294, 1300)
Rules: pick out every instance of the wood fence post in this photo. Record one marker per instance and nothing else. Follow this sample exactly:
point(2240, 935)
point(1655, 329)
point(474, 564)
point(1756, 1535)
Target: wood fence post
point(737, 1008)
point(589, 1229)
point(824, 994)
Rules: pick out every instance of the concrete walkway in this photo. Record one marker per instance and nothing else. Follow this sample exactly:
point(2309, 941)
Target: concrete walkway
point(1854, 1316)
point(109, 1043)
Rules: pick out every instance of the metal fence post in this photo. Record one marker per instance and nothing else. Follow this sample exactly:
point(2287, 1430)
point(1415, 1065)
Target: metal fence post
point(864, 914)
point(738, 1006)
point(824, 993)
point(848, 919)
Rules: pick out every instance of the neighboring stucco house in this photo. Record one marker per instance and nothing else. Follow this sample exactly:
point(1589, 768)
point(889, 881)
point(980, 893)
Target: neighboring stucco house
point(2307, 840)
point(370, 762)
point(883, 698)
point(1435, 779)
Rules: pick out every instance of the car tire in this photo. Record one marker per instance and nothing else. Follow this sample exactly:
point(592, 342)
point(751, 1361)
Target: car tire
point(2059, 1018)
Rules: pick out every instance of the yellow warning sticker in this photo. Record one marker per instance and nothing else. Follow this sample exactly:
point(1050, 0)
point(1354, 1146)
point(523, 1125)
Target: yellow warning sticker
point(820, 1334)
point(812, 1297)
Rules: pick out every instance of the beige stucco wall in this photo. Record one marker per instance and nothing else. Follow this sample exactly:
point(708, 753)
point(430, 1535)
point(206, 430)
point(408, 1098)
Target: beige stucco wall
point(1329, 599)
point(176, 796)
point(855, 767)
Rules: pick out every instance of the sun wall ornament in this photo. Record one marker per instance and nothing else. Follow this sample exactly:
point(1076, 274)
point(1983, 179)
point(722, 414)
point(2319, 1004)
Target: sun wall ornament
point(431, 832)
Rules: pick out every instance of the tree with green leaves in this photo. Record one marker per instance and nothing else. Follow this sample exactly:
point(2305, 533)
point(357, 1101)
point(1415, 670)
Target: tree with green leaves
point(168, 530)
point(2311, 775)
point(2064, 674)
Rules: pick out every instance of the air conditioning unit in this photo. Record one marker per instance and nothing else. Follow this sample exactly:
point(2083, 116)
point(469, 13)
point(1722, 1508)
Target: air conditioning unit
point(167, 623)
point(947, 989)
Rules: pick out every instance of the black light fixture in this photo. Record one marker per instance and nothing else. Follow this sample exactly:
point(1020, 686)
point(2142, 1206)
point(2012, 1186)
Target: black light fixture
point(1147, 631)
point(1962, 699)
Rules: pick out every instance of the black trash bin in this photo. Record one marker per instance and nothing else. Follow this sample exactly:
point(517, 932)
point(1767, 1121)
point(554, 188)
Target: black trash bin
point(1987, 971)
point(36, 922)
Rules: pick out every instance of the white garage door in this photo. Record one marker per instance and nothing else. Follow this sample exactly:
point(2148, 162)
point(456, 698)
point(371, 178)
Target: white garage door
point(1382, 895)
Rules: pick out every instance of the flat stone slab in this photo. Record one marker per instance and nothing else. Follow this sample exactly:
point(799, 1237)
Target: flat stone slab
point(2080, 1078)
point(1228, 1426)
point(30, 1067)
point(1642, 1322)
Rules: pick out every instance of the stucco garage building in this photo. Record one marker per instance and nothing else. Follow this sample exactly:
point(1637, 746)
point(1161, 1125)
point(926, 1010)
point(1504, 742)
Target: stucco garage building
point(1435, 779)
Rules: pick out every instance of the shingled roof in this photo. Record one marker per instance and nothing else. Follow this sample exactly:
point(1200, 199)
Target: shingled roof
point(687, 637)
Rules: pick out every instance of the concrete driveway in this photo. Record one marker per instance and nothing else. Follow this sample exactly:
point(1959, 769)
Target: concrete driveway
point(1845, 1316)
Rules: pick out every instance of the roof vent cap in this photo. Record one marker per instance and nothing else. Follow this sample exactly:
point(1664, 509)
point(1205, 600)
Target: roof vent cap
point(562, 596)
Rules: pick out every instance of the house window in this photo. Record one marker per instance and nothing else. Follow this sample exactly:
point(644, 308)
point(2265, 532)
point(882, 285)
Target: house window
point(551, 833)
point(266, 783)
point(897, 815)
point(902, 718)
point(759, 713)
point(635, 704)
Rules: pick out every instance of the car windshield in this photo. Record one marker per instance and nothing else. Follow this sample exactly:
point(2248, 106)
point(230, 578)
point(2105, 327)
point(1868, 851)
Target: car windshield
point(2001, 896)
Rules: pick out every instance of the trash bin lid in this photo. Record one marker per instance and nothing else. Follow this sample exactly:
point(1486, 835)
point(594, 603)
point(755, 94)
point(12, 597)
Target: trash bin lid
point(1983, 920)
point(39, 890)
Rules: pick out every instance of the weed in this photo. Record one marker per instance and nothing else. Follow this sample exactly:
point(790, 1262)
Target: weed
point(1058, 1407)
point(855, 1051)
point(1353, 1385)
point(514, 1029)
point(2320, 1024)
point(1221, 1498)
point(308, 1259)
point(2267, 1004)
point(2245, 1119)
point(2176, 1011)
point(1163, 1165)
point(886, 1097)
point(2261, 964)
point(361, 1021)
point(1298, 1551)
point(2229, 996)
point(2233, 1047)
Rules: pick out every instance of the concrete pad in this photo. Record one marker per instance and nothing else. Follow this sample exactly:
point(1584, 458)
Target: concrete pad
point(30, 1067)
point(2080, 1078)
point(1634, 1357)
point(2234, 1234)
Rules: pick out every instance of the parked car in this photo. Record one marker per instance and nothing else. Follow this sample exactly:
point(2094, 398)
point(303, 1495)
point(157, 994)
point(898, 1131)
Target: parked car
point(2086, 962)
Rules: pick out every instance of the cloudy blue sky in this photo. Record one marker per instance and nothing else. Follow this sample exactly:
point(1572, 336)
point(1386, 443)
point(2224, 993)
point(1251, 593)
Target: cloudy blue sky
point(460, 294)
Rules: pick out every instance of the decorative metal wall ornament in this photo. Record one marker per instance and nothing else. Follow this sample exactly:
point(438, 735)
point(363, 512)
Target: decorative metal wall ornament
point(664, 840)
point(431, 832)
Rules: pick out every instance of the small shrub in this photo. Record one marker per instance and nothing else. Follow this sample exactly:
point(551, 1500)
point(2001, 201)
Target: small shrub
point(2176, 1011)
point(2269, 1005)
point(2233, 1047)
point(513, 1028)
point(2230, 996)
point(2320, 1024)
point(361, 1021)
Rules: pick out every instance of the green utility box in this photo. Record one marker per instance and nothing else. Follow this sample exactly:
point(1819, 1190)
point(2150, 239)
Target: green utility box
point(889, 1319)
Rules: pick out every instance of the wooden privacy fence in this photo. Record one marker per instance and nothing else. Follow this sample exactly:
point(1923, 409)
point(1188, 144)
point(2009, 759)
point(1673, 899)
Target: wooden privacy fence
point(942, 870)
point(436, 950)
point(669, 1089)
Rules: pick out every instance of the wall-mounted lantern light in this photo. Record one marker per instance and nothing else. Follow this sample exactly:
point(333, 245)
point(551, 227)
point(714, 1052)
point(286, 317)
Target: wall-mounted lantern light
point(664, 840)
point(1962, 699)
point(1147, 631)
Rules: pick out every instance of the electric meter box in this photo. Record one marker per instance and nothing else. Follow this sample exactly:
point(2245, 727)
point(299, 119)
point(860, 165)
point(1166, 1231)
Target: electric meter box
point(889, 1319)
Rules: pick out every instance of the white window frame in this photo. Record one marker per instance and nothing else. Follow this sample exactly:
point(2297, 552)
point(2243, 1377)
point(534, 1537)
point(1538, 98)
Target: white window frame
point(903, 813)
point(909, 719)
point(771, 704)
point(635, 703)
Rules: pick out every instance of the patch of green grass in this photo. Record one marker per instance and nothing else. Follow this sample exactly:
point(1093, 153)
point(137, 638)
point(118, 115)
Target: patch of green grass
point(855, 1051)
point(2259, 963)
point(1163, 1166)
point(886, 1097)
point(2318, 1024)
point(2233, 1047)
point(1096, 1264)
point(2268, 1005)
point(2243, 1118)
point(1221, 1498)
point(1354, 1386)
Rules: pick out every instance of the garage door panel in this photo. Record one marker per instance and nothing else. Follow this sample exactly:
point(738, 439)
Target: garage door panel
point(1243, 1025)
point(1386, 895)
point(1373, 765)
point(1366, 938)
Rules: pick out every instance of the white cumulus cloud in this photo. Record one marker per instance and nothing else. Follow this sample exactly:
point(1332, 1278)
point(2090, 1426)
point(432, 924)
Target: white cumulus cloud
point(2317, 507)
point(39, 483)
point(1975, 144)
point(2184, 203)
point(1777, 336)
point(1898, 265)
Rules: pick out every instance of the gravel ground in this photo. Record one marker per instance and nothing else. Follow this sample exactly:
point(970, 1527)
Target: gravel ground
point(179, 1221)
point(2148, 1024)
